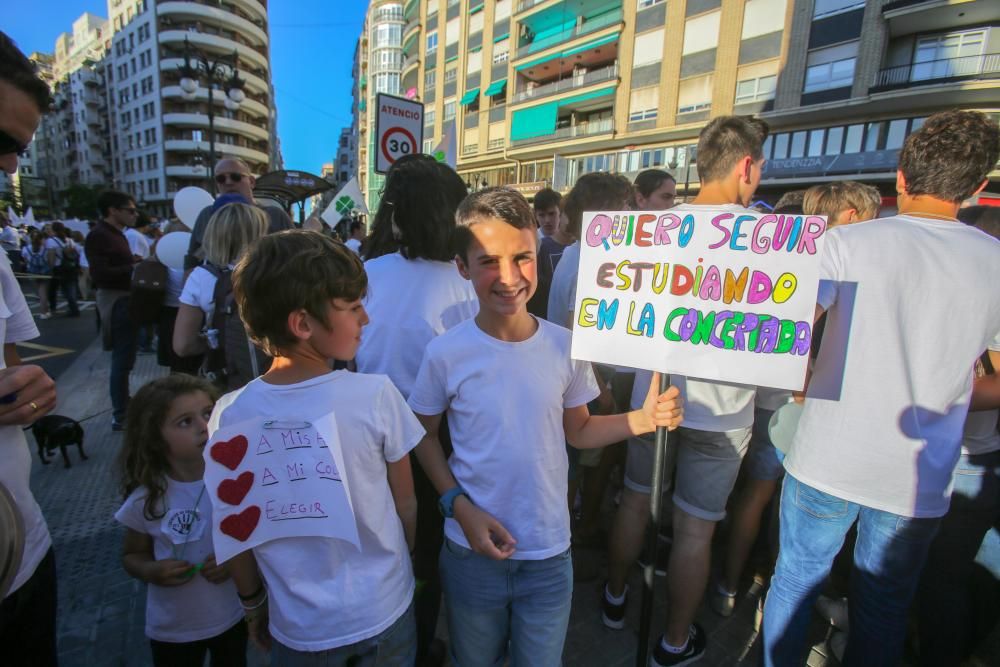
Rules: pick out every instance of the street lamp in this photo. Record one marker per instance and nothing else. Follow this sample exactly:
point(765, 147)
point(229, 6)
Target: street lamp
point(221, 71)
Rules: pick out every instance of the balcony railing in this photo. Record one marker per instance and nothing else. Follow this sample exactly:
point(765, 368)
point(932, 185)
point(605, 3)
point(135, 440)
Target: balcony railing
point(494, 144)
point(579, 81)
point(470, 149)
point(935, 71)
point(900, 4)
point(579, 130)
point(593, 25)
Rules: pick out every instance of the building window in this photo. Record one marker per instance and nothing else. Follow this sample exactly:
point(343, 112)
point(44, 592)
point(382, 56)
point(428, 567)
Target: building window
point(832, 67)
point(429, 119)
point(501, 51)
point(941, 56)
point(430, 79)
point(449, 109)
point(752, 90)
point(451, 31)
point(695, 94)
point(643, 103)
point(388, 36)
point(648, 48)
point(762, 17)
point(450, 73)
point(475, 61)
point(643, 4)
point(701, 33)
point(432, 42)
point(829, 7)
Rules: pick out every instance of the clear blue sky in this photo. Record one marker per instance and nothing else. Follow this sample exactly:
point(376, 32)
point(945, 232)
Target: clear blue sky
point(312, 50)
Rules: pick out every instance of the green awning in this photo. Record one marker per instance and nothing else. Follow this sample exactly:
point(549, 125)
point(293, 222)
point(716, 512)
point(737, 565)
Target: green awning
point(469, 97)
point(501, 37)
point(535, 121)
point(496, 88)
point(569, 52)
point(610, 90)
point(473, 10)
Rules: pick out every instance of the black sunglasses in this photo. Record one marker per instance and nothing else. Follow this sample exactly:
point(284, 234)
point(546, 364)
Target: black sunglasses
point(9, 144)
point(234, 177)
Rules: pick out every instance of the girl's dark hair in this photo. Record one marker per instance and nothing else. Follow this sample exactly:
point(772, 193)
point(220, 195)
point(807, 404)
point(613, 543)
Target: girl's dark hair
point(984, 218)
point(421, 196)
point(143, 460)
point(647, 182)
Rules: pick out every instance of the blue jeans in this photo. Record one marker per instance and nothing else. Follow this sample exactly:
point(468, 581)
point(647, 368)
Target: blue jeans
point(123, 342)
point(396, 646)
point(888, 557)
point(963, 566)
point(489, 602)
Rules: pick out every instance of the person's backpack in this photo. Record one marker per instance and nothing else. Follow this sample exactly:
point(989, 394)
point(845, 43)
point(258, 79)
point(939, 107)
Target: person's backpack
point(37, 264)
point(235, 360)
point(70, 263)
point(149, 292)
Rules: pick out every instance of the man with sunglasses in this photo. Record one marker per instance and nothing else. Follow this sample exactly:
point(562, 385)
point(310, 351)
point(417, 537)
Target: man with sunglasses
point(28, 609)
point(232, 177)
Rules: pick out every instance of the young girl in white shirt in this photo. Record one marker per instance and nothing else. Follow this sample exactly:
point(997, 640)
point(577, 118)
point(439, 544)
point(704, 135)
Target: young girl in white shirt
point(192, 606)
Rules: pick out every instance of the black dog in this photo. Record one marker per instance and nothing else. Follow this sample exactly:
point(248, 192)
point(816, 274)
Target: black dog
point(54, 431)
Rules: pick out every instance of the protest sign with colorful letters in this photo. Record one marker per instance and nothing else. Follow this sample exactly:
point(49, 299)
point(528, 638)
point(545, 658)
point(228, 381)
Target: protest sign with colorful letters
point(711, 294)
point(271, 479)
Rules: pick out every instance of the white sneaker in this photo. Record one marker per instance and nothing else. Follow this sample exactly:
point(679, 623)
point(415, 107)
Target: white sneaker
point(834, 610)
point(44, 316)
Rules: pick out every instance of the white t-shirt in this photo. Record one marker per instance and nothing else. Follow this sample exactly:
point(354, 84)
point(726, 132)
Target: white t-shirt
point(84, 263)
point(324, 593)
point(197, 609)
point(410, 302)
point(562, 293)
point(769, 398)
point(505, 404)
point(52, 243)
point(882, 422)
point(354, 245)
point(137, 242)
point(199, 291)
point(10, 239)
point(16, 325)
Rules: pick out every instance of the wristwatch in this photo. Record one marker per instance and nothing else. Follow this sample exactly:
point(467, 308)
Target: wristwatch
point(446, 503)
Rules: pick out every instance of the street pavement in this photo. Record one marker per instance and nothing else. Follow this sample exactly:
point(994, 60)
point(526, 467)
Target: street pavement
point(102, 609)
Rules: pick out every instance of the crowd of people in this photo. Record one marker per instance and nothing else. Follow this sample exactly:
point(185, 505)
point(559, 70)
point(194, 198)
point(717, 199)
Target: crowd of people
point(480, 454)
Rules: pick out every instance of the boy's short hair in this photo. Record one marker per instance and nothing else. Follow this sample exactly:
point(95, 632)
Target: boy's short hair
point(727, 140)
point(110, 199)
point(950, 155)
point(288, 271)
point(498, 203)
point(230, 231)
point(832, 199)
point(790, 202)
point(546, 198)
point(596, 191)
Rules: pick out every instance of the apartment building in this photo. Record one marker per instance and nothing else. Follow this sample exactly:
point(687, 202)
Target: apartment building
point(338, 172)
point(160, 137)
point(543, 91)
point(378, 67)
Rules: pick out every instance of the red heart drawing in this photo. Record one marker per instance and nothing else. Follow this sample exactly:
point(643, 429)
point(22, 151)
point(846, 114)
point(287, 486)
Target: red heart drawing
point(233, 491)
point(241, 526)
point(230, 452)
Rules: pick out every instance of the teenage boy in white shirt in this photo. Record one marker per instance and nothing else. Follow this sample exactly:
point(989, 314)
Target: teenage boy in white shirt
point(881, 427)
point(717, 424)
point(328, 602)
point(514, 397)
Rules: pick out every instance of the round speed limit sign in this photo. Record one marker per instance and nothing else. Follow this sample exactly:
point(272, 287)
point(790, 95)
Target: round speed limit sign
point(396, 143)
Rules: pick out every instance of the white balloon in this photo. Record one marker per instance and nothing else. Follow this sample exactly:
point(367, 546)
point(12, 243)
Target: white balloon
point(189, 202)
point(171, 249)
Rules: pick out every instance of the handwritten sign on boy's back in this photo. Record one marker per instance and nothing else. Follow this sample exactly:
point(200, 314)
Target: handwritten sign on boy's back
point(712, 294)
point(271, 479)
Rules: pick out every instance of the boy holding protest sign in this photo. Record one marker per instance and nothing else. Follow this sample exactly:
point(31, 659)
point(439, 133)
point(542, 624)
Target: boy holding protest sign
point(718, 418)
point(299, 294)
point(882, 421)
point(514, 397)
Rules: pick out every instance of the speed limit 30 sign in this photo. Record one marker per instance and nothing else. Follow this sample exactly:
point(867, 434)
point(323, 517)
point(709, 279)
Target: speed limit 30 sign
point(399, 129)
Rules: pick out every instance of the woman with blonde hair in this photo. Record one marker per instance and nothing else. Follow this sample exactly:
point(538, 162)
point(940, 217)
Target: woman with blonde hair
point(229, 233)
